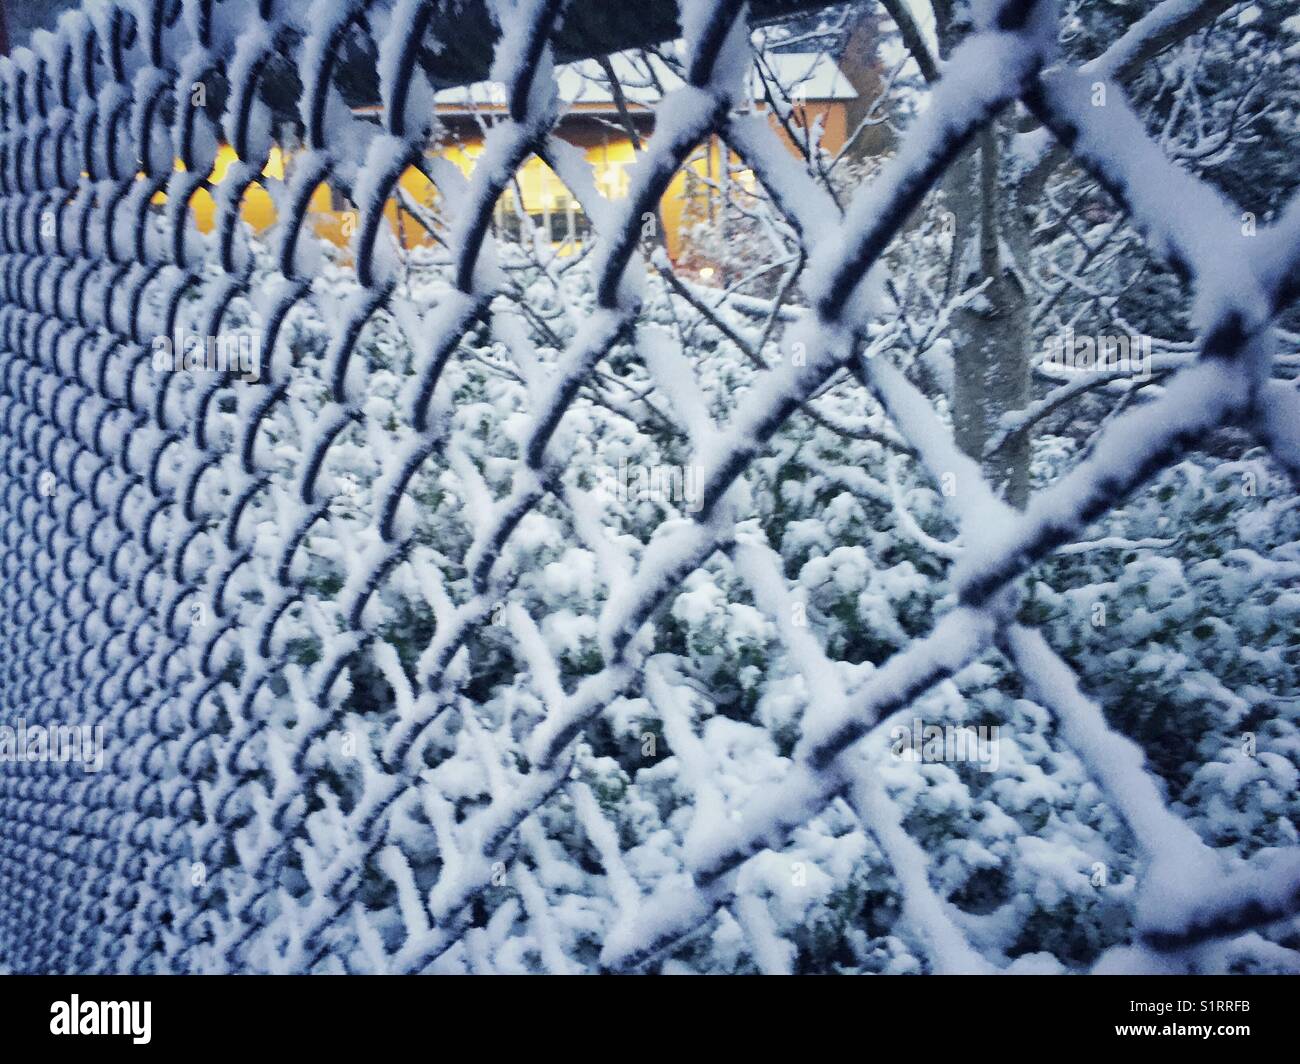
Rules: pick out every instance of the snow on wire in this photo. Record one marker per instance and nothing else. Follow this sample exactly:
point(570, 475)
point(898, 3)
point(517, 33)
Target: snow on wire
point(194, 850)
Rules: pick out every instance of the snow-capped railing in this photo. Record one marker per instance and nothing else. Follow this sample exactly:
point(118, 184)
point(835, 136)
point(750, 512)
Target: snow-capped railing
point(128, 552)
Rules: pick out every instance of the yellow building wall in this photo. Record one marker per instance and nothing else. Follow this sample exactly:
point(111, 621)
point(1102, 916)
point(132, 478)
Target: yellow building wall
point(257, 208)
point(541, 189)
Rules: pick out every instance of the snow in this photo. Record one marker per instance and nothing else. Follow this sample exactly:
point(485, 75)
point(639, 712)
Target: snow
point(394, 667)
point(1156, 21)
point(1184, 219)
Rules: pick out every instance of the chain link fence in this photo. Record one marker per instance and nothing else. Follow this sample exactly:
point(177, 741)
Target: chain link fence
point(155, 535)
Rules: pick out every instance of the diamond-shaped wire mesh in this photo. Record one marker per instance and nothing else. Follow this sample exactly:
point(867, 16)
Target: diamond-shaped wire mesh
point(154, 532)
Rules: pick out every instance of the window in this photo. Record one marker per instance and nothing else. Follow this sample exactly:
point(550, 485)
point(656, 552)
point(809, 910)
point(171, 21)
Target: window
point(562, 220)
point(568, 222)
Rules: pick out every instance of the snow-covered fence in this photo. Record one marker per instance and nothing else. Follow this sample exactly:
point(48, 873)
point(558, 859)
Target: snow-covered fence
point(153, 538)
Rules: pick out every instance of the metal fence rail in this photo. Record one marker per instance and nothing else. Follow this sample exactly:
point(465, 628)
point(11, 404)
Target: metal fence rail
point(127, 499)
